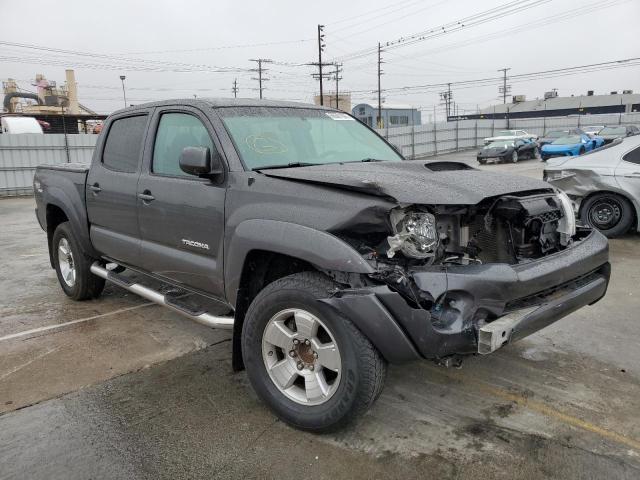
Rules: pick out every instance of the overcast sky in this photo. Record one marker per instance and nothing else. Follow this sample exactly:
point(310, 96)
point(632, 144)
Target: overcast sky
point(210, 40)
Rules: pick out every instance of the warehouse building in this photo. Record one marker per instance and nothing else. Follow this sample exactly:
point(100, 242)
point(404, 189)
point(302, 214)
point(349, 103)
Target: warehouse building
point(552, 105)
point(392, 115)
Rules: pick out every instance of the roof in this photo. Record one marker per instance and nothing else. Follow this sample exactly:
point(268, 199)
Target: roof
point(559, 103)
point(388, 106)
point(224, 102)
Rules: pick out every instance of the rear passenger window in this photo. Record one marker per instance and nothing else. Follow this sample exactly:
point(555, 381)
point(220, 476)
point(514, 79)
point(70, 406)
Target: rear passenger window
point(633, 156)
point(175, 132)
point(124, 144)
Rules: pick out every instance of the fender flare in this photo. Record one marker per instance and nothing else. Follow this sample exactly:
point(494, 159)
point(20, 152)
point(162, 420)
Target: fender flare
point(77, 219)
point(319, 248)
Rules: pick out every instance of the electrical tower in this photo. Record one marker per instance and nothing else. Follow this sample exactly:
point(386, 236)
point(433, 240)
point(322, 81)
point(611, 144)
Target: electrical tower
point(379, 122)
point(260, 70)
point(504, 89)
point(337, 78)
point(234, 89)
point(447, 98)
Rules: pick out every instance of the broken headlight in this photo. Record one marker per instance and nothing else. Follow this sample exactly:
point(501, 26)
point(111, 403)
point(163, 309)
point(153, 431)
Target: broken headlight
point(415, 234)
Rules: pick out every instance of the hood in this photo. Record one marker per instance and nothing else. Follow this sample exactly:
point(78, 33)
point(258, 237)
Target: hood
point(549, 147)
point(443, 183)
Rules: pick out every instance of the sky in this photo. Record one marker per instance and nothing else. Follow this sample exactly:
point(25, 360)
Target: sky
point(177, 49)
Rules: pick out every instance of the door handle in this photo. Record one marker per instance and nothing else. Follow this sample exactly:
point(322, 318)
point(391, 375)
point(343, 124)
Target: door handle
point(95, 188)
point(146, 196)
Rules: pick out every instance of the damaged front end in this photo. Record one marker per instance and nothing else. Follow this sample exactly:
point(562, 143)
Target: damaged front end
point(458, 279)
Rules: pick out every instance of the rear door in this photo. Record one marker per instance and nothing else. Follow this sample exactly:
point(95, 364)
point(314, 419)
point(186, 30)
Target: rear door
point(112, 186)
point(181, 216)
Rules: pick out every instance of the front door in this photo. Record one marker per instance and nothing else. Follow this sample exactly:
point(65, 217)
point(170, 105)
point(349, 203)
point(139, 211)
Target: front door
point(181, 216)
point(112, 186)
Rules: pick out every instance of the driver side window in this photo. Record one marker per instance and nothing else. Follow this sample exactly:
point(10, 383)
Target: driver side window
point(175, 132)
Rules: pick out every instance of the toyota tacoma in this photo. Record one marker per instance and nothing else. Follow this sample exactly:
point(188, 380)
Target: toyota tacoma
point(332, 254)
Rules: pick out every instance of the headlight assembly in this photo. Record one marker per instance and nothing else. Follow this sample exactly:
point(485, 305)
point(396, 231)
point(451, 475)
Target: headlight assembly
point(415, 234)
point(567, 224)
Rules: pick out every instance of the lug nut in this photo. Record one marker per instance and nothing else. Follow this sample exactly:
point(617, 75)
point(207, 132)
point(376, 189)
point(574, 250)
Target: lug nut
point(296, 341)
point(300, 366)
point(270, 353)
point(311, 367)
point(292, 353)
point(307, 342)
point(315, 354)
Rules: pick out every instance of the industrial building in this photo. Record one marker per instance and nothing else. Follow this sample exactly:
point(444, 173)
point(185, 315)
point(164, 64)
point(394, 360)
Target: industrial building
point(553, 105)
point(392, 115)
point(343, 101)
point(55, 107)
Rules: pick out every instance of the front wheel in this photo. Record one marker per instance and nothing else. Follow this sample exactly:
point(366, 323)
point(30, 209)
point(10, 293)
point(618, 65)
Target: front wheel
point(536, 154)
point(515, 157)
point(310, 364)
point(72, 266)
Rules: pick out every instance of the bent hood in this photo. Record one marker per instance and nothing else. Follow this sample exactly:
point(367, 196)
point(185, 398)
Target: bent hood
point(444, 183)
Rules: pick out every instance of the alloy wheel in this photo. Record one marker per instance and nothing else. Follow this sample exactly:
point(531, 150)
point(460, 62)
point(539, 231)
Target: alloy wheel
point(66, 262)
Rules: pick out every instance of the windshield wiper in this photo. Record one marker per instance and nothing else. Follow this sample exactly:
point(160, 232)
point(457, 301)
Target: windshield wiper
point(287, 165)
point(364, 160)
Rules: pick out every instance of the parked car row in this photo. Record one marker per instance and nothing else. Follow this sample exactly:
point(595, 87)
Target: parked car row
point(514, 145)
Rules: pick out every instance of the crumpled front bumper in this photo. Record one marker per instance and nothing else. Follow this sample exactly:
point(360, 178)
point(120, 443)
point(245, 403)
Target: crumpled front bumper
point(522, 298)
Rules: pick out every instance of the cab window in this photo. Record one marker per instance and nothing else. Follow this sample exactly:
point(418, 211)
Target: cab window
point(123, 145)
point(175, 132)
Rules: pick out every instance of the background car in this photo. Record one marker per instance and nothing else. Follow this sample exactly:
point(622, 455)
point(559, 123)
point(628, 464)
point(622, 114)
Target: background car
point(603, 185)
point(609, 134)
point(508, 150)
point(552, 135)
point(592, 129)
point(510, 135)
point(570, 146)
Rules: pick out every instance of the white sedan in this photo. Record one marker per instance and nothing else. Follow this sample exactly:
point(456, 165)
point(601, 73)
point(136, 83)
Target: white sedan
point(510, 135)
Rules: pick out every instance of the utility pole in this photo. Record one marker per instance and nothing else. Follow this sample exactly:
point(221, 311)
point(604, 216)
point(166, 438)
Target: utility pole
point(505, 88)
point(447, 97)
point(234, 89)
point(337, 78)
point(260, 70)
point(380, 124)
point(320, 49)
point(124, 93)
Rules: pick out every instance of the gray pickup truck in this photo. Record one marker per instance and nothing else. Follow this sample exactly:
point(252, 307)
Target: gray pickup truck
point(333, 255)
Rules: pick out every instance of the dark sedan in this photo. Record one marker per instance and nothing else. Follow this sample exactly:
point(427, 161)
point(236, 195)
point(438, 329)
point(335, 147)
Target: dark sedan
point(508, 151)
point(619, 131)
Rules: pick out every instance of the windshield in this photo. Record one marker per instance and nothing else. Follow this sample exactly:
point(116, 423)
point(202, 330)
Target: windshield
point(567, 140)
point(499, 144)
point(279, 136)
point(557, 133)
point(613, 131)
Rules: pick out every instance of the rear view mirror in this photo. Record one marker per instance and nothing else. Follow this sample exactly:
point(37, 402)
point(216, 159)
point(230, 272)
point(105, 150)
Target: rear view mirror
point(198, 161)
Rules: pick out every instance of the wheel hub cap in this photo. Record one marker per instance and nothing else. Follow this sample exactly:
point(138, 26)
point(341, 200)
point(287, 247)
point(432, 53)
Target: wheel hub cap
point(301, 357)
point(66, 262)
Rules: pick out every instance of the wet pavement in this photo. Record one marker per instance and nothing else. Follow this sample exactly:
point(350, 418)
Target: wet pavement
point(135, 391)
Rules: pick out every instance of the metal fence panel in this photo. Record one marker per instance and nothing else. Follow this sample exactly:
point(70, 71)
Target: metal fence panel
point(20, 154)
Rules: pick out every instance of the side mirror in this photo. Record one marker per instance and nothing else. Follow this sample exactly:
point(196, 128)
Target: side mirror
point(198, 161)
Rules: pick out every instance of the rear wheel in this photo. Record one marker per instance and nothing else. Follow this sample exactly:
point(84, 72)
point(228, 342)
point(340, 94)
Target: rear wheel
point(515, 157)
point(610, 213)
point(72, 266)
point(310, 364)
point(582, 150)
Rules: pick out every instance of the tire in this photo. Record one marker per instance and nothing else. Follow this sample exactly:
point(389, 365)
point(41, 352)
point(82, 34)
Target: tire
point(482, 161)
point(72, 266)
point(360, 373)
point(536, 154)
point(609, 213)
point(515, 157)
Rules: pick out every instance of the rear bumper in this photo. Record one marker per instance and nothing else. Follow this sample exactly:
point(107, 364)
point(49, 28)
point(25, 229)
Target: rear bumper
point(469, 299)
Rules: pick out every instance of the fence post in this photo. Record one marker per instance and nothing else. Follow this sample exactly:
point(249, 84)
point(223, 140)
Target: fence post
point(435, 139)
point(475, 137)
point(413, 142)
point(66, 140)
point(457, 135)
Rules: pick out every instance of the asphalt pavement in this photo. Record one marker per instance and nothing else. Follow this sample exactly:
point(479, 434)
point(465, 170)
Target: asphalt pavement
point(120, 388)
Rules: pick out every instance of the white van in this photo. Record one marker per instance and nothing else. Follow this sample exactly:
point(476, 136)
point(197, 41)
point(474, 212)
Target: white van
point(19, 125)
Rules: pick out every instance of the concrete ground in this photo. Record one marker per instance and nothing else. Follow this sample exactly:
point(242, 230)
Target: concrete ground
point(131, 390)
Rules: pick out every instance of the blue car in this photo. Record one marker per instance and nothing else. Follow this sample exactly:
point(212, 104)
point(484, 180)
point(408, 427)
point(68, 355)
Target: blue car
point(571, 145)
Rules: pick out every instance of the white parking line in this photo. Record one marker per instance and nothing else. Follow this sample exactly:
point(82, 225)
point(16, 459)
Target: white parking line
point(35, 331)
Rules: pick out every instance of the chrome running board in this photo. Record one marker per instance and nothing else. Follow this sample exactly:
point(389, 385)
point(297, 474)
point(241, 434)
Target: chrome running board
point(199, 316)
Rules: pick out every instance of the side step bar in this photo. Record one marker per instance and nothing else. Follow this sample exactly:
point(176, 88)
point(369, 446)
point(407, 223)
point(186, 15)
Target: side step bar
point(165, 300)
